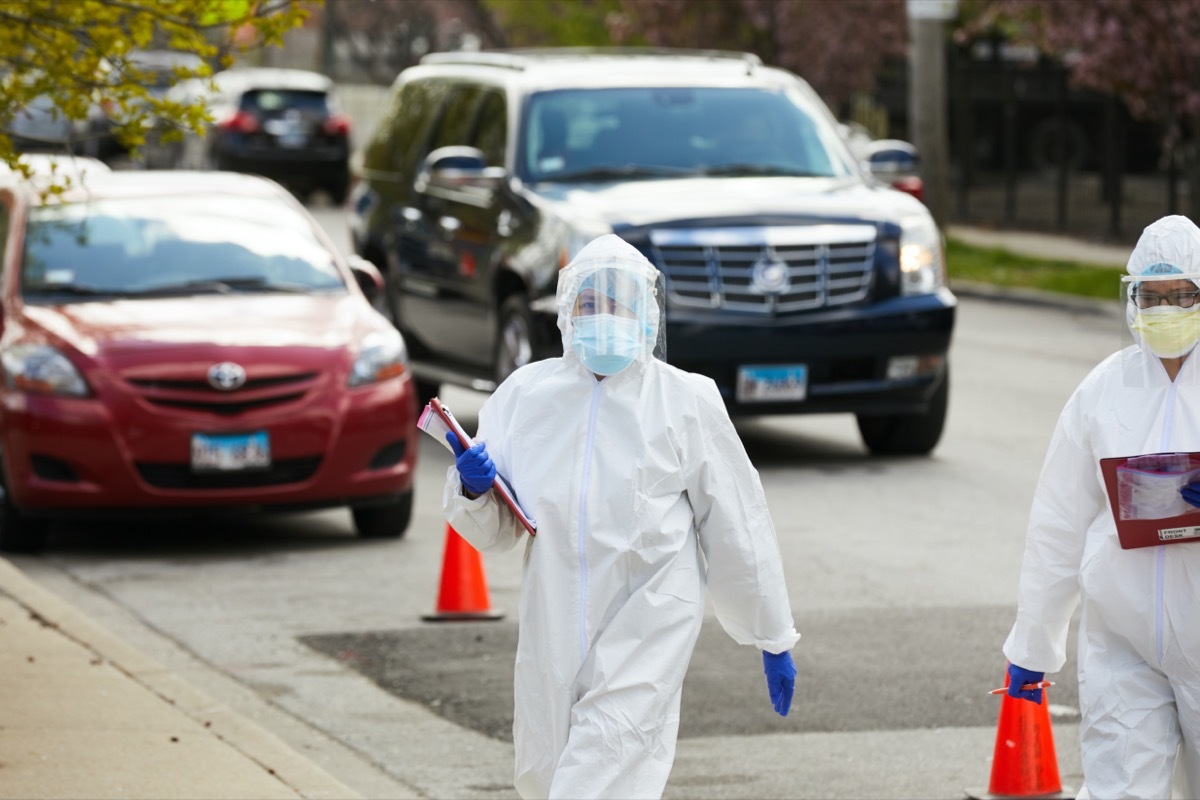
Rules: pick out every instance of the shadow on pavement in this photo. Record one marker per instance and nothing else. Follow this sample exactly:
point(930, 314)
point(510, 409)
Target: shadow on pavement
point(859, 670)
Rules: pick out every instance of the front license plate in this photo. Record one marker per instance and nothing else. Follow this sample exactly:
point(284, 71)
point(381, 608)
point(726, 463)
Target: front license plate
point(231, 452)
point(772, 383)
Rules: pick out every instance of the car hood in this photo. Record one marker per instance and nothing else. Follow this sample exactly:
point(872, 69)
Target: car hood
point(777, 201)
point(102, 329)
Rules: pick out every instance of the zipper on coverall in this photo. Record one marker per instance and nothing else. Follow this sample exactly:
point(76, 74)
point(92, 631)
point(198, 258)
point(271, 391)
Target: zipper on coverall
point(583, 495)
point(1160, 565)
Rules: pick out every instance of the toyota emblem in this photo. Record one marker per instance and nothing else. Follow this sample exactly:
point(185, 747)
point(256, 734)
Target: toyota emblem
point(226, 376)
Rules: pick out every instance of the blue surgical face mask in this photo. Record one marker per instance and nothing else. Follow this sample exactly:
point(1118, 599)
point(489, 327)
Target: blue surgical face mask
point(606, 344)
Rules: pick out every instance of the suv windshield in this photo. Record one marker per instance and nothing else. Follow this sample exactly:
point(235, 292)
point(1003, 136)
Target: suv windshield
point(605, 134)
point(158, 246)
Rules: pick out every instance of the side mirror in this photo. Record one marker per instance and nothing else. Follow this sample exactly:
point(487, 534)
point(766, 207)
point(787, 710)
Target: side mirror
point(367, 276)
point(887, 158)
point(459, 168)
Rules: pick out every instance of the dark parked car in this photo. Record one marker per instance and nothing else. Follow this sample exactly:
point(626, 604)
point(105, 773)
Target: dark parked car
point(157, 71)
point(182, 342)
point(284, 124)
point(795, 280)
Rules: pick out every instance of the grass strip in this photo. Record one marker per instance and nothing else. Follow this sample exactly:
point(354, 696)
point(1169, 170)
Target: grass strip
point(1001, 267)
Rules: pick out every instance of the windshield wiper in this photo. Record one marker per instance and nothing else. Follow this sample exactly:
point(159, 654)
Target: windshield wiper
point(760, 169)
point(224, 286)
point(618, 173)
point(70, 289)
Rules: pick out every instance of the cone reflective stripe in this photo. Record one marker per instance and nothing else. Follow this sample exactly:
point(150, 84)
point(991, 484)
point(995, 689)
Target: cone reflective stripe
point(1024, 763)
point(463, 592)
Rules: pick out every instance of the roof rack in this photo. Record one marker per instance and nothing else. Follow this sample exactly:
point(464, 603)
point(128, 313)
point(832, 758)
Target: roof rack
point(521, 58)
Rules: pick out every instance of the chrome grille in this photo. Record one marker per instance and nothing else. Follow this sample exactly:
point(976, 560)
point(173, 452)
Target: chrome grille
point(767, 270)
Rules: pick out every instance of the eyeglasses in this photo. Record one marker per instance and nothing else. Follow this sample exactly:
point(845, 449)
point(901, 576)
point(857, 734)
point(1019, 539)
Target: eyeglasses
point(1176, 298)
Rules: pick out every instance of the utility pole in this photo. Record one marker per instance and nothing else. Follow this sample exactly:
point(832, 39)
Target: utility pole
point(328, 32)
point(927, 98)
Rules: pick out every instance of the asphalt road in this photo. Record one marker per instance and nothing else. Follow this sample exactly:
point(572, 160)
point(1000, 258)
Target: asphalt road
point(901, 572)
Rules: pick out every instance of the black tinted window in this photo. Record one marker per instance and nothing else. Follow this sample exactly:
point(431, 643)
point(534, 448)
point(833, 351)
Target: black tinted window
point(409, 129)
point(456, 117)
point(277, 101)
point(491, 128)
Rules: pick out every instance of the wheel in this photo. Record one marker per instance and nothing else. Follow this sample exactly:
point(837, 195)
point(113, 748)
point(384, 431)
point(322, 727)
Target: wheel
point(19, 533)
point(514, 337)
point(907, 434)
point(338, 191)
point(389, 521)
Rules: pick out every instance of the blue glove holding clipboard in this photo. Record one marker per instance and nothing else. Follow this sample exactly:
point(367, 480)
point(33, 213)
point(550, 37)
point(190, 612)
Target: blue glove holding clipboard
point(475, 469)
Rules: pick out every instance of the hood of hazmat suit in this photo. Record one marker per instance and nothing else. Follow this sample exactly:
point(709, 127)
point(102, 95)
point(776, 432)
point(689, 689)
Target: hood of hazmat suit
point(1139, 631)
point(638, 480)
point(611, 306)
point(1160, 316)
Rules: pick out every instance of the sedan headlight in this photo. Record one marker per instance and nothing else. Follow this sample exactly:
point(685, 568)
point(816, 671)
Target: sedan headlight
point(41, 369)
point(381, 356)
point(922, 264)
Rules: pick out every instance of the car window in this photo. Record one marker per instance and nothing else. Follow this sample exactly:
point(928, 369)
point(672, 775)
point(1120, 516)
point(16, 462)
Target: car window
point(270, 102)
point(206, 243)
point(491, 127)
point(702, 130)
point(456, 116)
point(411, 123)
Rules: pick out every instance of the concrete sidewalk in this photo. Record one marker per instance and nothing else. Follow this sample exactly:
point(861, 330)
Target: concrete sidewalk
point(85, 715)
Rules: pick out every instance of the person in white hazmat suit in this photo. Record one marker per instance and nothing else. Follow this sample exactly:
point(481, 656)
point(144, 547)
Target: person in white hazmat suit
point(1139, 631)
point(643, 496)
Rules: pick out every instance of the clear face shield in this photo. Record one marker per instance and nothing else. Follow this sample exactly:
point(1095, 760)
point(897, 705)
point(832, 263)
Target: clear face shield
point(1162, 319)
point(611, 312)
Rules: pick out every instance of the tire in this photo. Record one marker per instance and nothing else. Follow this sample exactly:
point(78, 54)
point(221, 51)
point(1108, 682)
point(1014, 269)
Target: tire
point(389, 521)
point(19, 533)
point(907, 434)
point(338, 191)
point(514, 337)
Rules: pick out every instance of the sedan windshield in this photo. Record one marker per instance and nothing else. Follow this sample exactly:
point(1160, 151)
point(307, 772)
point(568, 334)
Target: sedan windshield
point(156, 246)
point(631, 133)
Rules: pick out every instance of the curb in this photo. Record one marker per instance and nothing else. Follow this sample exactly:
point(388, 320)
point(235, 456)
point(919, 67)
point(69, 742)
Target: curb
point(1008, 294)
point(258, 745)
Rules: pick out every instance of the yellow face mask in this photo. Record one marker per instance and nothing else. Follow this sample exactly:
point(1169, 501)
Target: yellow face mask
point(1168, 331)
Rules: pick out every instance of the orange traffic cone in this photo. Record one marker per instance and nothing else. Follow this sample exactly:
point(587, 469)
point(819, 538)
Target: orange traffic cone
point(463, 594)
point(1024, 763)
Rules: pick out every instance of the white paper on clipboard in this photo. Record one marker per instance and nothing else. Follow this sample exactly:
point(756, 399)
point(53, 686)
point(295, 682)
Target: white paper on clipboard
point(437, 421)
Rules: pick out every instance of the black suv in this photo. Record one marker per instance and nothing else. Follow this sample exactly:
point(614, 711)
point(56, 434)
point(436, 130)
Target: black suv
point(795, 280)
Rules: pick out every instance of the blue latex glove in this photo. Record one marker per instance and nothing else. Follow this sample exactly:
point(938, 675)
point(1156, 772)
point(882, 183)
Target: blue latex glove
point(1018, 677)
point(475, 469)
point(1191, 493)
point(781, 679)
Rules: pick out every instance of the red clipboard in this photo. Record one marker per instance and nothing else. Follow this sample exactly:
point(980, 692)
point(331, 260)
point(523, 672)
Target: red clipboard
point(436, 420)
point(1143, 493)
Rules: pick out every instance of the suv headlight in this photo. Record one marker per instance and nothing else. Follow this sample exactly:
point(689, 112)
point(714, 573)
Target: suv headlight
point(922, 263)
point(41, 369)
point(381, 356)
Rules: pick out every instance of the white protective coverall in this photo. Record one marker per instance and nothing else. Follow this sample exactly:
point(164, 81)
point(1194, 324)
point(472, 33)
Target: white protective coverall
point(643, 494)
point(1139, 632)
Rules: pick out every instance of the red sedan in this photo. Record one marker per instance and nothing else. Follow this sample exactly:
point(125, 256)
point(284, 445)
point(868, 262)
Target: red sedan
point(192, 341)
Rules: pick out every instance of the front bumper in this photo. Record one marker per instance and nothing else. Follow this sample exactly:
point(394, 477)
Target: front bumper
point(341, 447)
point(846, 353)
